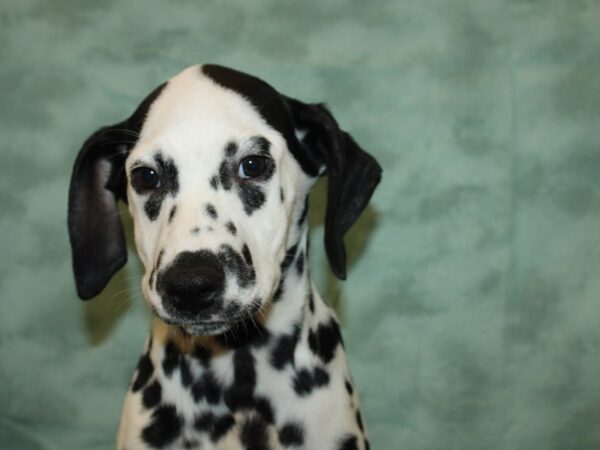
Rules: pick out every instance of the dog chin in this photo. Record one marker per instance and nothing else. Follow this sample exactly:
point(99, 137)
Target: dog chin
point(205, 329)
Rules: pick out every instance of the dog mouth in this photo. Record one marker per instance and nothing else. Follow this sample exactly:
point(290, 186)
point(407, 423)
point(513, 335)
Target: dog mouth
point(195, 327)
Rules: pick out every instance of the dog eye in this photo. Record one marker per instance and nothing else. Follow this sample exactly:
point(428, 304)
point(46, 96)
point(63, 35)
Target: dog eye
point(144, 178)
point(253, 166)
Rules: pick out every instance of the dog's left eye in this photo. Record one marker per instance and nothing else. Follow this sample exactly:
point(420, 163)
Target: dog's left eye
point(144, 178)
point(253, 166)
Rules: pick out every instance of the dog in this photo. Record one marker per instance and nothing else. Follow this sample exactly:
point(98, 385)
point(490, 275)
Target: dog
point(215, 166)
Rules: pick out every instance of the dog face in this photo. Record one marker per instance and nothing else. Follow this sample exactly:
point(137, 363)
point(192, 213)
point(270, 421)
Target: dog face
point(215, 166)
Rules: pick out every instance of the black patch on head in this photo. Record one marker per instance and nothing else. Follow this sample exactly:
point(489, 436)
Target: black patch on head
point(246, 254)
point(195, 230)
point(300, 263)
point(254, 434)
point(164, 428)
point(152, 395)
point(144, 372)
point(169, 178)
point(221, 427)
point(359, 421)
point(214, 182)
point(349, 387)
point(225, 175)
point(170, 359)
point(283, 352)
point(325, 340)
point(305, 381)
point(231, 149)
point(269, 104)
point(172, 213)
point(252, 197)
point(291, 434)
point(233, 263)
point(211, 211)
point(231, 228)
point(207, 387)
point(348, 443)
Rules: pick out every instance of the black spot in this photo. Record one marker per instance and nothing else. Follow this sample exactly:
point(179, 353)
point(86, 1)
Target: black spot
point(172, 213)
point(359, 421)
point(221, 427)
point(204, 422)
point(152, 206)
point(170, 359)
point(144, 371)
point(207, 387)
point(231, 228)
point(283, 352)
point(367, 445)
point(288, 259)
point(291, 434)
point(186, 373)
point(169, 184)
point(279, 290)
point(300, 263)
point(246, 254)
point(349, 387)
point(265, 409)
point(305, 381)
point(240, 394)
point(212, 212)
point(303, 213)
point(203, 355)
point(321, 377)
point(349, 443)
point(195, 230)
point(190, 444)
point(281, 196)
point(324, 341)
point(164, 427)
point(254, 434)
point(225, 176)
point(214, 182)
point(231, 149)
point(252, 197)
point(152, 395)
point(156, 267)
point(233, 263)
point(311, 302)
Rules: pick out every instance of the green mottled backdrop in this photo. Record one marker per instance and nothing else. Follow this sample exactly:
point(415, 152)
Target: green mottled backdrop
point(472, 309)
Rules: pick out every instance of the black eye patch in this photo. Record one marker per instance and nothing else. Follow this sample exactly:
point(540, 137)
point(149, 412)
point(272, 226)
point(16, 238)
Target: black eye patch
point(168, 184)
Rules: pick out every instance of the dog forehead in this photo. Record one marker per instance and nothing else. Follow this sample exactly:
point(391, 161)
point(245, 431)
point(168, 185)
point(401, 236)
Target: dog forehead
point(195, 109)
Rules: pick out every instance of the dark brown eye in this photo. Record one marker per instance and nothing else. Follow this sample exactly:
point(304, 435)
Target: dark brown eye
point(144, 179)
point(252, 166)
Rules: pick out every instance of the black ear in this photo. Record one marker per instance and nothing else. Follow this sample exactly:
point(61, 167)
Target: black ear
point(353, 174)
point(98, 182)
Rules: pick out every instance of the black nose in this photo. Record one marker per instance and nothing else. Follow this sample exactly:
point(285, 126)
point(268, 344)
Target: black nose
point(192, 283)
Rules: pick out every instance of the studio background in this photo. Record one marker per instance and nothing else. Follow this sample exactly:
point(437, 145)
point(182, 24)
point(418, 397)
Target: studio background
point(471, 313)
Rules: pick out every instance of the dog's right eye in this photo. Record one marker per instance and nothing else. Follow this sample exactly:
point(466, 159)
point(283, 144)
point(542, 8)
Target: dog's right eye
point(144, 179)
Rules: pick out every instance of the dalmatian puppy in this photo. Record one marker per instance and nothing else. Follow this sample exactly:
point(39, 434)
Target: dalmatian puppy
point(215, 166)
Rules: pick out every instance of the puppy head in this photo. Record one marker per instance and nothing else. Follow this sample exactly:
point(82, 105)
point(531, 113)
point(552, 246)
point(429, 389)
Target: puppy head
point(215, 166)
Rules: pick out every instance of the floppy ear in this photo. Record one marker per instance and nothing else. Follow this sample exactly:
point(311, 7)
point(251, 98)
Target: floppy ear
point(353, 174)
point(98, 182)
